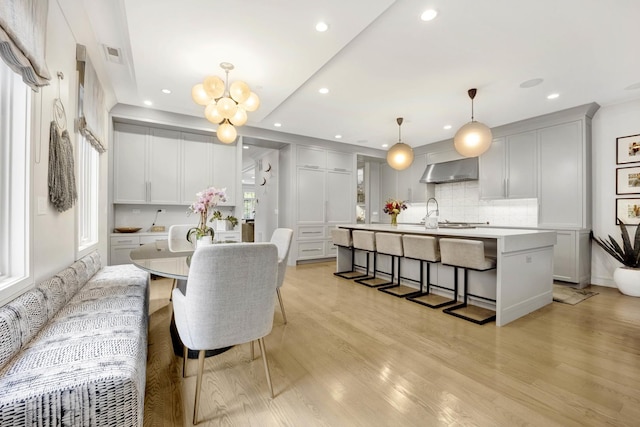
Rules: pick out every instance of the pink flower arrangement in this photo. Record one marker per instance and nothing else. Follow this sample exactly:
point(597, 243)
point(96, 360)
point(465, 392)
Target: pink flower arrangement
point(206, 199)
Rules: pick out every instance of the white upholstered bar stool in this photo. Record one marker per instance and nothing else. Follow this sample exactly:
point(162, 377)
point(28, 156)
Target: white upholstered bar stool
point(341, 237)
point(467, 255)
point(426, 251)
point(366, 241)
point(390, 244)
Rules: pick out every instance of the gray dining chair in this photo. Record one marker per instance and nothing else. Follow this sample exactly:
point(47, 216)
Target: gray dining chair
point(229, 300)
point(282, 237)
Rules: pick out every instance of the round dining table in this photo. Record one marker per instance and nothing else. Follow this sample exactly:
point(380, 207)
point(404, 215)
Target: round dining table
point(157, 259)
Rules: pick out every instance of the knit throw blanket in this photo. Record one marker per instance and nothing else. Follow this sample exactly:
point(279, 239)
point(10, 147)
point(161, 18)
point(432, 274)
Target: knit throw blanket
point(62, 180)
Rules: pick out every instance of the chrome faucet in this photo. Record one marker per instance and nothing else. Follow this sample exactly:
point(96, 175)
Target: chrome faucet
point(437, 210)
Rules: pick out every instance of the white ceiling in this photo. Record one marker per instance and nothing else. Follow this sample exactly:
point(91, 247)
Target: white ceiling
point(378, 59)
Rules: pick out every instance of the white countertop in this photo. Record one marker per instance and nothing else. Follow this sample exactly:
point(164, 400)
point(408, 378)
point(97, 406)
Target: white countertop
point(478, 232)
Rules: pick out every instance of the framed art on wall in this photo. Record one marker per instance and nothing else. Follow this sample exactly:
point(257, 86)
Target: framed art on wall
point(628, 149)
point(628, 180)
point(628, 211)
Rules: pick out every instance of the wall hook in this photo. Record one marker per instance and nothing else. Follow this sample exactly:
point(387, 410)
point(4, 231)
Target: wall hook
point(268, 168)
point(264, 181)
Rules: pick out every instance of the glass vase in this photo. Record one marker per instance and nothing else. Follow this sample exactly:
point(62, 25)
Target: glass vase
point(394, 219)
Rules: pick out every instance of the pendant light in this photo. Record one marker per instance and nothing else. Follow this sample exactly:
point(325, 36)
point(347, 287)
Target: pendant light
point(474, 138)
point(400, 156)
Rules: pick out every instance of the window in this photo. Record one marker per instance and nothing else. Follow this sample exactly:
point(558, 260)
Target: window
point(249, 210)
point(15, 107)
point(88, 174)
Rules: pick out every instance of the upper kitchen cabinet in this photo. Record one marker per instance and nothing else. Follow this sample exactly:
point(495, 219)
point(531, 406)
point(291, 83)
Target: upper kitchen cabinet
point(508, 170)
point(168, 167)
point(564, 193)
point(146, 165)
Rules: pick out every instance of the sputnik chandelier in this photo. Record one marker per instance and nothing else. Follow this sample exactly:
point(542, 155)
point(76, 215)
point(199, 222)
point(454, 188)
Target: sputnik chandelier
point(225, 105)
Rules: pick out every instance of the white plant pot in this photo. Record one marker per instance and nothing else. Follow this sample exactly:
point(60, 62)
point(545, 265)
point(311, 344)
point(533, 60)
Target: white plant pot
point(204, 241)
point(627, 280)
point(222, 225)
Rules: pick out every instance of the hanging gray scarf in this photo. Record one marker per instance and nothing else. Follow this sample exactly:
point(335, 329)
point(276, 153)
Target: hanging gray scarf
point(62, 180)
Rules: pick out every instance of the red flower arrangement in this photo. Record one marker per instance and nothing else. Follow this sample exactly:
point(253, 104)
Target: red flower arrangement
point(393, 208)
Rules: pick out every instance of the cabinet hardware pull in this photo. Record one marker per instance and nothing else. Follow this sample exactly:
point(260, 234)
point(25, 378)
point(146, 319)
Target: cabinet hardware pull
point(312, 166)
point(310, 250)
point(340, 169)
point(311, 232)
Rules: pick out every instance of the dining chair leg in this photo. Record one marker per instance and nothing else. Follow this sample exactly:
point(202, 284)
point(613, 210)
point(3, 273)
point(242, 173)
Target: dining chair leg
point(185, 356)
point(198, 385)
point(252, 352)
point(284, 316)
point(175, 283)
point(266, 364)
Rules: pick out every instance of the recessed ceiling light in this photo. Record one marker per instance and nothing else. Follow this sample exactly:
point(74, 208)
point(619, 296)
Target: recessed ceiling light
point(147, 102)
point(531, 83)
point(553, 96)
point(338, 136)
point(246, 147)
point(277, 124)
point(429, 15)
point(167, 91)
point(321, 27)
point(385, 145)
point(447, 127)
point(323, 90)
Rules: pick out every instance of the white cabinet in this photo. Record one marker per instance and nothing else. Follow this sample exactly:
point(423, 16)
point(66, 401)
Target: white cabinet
point(325, 197)
point(562, 198)
point(197, 157)
point(508, 170)
point(388, 183)
point(121, 245)
point(228, 236)
point(572, 257)
point(168, 167)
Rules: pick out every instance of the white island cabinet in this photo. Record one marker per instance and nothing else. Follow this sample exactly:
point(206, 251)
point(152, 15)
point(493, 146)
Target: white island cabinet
point(521, 283)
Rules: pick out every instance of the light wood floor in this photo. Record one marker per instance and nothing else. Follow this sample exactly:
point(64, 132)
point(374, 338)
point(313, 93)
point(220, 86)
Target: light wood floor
point(353, 356)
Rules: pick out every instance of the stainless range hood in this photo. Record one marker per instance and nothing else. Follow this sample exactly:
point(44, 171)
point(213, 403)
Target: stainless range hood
point(453, 171)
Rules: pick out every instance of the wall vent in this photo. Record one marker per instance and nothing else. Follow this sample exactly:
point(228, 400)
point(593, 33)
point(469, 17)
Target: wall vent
point(113, 54)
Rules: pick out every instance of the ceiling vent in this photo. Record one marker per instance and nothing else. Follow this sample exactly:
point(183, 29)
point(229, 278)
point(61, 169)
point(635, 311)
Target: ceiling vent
point(113, 54)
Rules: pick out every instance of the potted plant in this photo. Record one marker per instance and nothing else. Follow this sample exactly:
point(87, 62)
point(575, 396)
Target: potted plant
point(626, 278)
point(219, 223)
point(233, 221)
point(206, 199)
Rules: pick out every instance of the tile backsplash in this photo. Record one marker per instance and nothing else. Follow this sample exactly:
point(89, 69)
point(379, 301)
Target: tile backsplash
point(460, 202)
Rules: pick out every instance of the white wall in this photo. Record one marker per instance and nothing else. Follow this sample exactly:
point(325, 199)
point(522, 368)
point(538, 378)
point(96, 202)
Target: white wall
point(609, 123)
point(266, 219)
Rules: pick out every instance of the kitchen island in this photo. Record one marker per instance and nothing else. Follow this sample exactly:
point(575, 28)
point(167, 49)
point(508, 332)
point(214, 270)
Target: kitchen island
point(522, 281)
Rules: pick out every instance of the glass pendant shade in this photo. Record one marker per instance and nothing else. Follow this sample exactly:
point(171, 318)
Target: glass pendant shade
point(252, 103)
point(226, 133)
point(211, 113)
point(226, 107)
point(472, 139)
point(214, 86)
point(239, 118)
point(199, 95)
point(239, 91)
point(400, 156)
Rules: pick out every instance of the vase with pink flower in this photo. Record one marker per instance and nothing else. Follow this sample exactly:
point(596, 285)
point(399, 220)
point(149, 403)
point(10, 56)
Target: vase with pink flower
point(205, 200)
point(394, 207)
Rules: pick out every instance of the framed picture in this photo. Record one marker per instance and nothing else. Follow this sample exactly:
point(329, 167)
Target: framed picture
point(628, 180)
point(628, 210)
point(628, 149)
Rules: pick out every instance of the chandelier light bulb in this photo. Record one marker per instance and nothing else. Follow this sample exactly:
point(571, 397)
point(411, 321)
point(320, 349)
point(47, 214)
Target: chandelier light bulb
point(226, 133)
point(199, 95)
point(239, 118)
point(226, 107)
point(239, 91)
point(214, 86)
point(252, 103)
point(211, 113)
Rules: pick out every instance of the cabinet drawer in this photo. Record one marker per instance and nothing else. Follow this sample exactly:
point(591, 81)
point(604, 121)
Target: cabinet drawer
point(311, 232)
point(125, 240)
point(228, 236)
point(311, 249)
point(150, 239)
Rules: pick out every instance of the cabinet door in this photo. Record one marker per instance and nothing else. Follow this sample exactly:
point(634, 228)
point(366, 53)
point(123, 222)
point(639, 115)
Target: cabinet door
point(561, 192)
point(409, 187)
point(224, 171)
point(311, 157)
point(311, 191)
point(388, 185)
point(197, 167)
point(492, 171)
point(340, 197)
point(129, 157)
point(164, 167)
point(522, 166)
point(338, 161)
point(564, 256)
point(120, 254)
